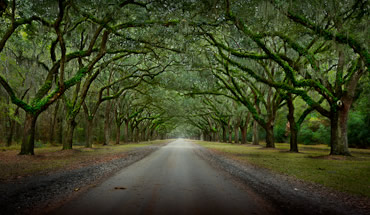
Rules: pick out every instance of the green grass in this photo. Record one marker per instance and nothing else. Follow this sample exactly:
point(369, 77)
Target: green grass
point(51, 158)
point(346, 174)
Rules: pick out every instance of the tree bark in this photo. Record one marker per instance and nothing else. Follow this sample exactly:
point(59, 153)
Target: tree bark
point(224, 139)
point(270, 143)
point(217, 137)
point(243, 130)
point(255, 140)
point(28, 142)
point(230, 131)
point(236, 134)
point(338, 139)
point(9, 139)
point(68, 140)
point(293, 126)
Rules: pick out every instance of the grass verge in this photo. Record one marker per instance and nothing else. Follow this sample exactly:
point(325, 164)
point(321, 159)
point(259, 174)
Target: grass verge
point(51, 158)
point(312, 164)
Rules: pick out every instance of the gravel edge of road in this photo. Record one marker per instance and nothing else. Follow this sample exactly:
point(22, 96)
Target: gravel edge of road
point(40, 194)
point(292, 196)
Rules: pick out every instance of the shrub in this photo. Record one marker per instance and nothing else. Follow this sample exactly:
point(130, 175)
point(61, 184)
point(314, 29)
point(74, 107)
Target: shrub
point(359, 130)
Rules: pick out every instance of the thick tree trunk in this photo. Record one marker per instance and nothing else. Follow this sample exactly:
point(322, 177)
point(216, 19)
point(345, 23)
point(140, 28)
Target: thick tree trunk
point(107, 124)
point(270, 143)
point(68, 140)
point(89, 133)
point(293, 126)
point(118, 133)
point(28, 142)
point(294, 138)
point(236, 137)
point(338, 139)
point(255, 138)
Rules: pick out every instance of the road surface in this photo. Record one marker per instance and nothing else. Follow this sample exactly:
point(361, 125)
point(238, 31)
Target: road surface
point(172, 180)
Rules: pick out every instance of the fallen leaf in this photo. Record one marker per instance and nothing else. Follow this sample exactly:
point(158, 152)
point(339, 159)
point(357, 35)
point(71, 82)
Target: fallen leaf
point(76, 189)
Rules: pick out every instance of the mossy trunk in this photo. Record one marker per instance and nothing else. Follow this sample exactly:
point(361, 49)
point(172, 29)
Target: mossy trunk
point(68, 140)
point(270, 142)
point(28, 141)
point(255, 139)
point(89, 136)
point(338, 138)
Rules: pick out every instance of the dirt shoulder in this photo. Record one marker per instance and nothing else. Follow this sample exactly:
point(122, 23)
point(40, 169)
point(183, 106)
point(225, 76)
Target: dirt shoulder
point(292, 196)
point(38, 193)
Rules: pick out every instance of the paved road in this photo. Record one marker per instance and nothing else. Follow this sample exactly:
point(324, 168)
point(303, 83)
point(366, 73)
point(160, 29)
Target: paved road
point(172, 180)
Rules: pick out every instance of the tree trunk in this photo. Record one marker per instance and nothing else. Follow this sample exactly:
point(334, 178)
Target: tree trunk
point(217, 137)
point(137, 138)
point(53, 122)
point(9, 139)
point(243, 130)
point(89, 133)
point(224, 139)
point(118, 133)
point(28, 142)
point(60, 130)
point(256, 140)
point(107, 124)
point(125, 138)
point(68, 140)
point(230, 131)
point(338, 139)
point(270, 143)
point(293, 126)
point(236, 134)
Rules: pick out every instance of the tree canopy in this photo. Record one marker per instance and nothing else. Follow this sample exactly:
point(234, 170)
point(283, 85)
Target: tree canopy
point(220, 70)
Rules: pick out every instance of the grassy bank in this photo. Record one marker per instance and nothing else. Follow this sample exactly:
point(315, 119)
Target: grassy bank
point(347, 174)
point(52, 158)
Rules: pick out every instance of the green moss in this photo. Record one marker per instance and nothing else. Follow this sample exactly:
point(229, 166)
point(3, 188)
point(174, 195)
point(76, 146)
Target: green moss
point(42, 91)
point(77, 78)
